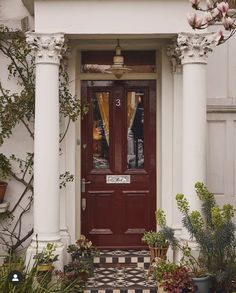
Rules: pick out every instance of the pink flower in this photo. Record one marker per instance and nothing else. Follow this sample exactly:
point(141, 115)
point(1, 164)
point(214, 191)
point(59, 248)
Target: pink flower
point(194, 20)
point(227, 23)
point(215, 12)
point(223, 7)
point(219, 37)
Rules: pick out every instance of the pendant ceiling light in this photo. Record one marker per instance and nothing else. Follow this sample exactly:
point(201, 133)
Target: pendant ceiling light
point(118, 68)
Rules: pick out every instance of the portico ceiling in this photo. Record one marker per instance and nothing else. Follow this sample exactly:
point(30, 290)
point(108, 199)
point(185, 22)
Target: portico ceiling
point(29, 4)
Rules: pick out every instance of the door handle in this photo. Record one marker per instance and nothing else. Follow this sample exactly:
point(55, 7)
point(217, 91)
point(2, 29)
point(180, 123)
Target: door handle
point(84, 183)
point(83, 204)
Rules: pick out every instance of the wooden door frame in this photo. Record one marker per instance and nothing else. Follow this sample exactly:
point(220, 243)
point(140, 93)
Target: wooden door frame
point(145, 76)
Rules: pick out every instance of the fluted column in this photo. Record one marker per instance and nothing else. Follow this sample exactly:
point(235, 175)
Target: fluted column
point(48, 49)
point(194, 49)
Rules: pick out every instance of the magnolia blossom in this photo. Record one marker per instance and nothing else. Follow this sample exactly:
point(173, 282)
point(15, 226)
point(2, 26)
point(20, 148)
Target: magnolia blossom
point(194, 20)
point(215, 11)
point(219, 36)
point(223, 7)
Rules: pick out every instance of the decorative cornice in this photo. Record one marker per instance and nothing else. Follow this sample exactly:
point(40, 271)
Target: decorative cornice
point(174, 55)
point(48, 47)
point(221, 109)
point(194, 48)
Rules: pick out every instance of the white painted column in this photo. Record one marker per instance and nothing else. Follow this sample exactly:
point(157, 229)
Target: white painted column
point(194, 49)
point(48, 49)
point(177, 73)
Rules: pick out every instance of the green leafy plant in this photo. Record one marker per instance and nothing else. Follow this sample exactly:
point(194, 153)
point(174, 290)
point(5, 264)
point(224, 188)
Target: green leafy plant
point(5, 167)
point(154, 239)
point(214, 231)
point(82, 253)
point(46, 256)
point(160, 267)
point(193, 263)
point(31, 283)
point(177, 280)
point(82, 247)
point(164, 236)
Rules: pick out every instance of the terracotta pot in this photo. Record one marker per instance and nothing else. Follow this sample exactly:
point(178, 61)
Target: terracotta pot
point(3, 187)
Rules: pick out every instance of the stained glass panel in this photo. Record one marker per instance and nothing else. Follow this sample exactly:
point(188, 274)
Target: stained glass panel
point(101, 130)
point(135, 135)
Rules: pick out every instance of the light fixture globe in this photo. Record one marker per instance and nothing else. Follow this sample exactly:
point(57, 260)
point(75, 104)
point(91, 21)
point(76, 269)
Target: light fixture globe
point(118, 68)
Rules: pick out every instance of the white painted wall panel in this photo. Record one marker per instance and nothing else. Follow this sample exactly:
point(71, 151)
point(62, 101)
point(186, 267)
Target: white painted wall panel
point(112, 17)
point(221, 156)
point(217, 73)
point(215, 162)
point(232, 67)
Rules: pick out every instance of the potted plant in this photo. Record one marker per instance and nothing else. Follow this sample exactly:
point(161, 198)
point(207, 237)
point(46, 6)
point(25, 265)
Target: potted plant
point(159, 268)
point(158, 242)
point(44, 263)
point(200, 276)
point(213, 230)
point(5, 171)
point(177, 280)
point(83, 252)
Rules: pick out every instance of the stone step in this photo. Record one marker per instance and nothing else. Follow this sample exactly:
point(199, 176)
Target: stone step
point(128, 258)
point(121, 271)
point(120, 280)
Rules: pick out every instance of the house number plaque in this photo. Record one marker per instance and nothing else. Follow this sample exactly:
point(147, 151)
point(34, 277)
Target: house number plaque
point(118, 179)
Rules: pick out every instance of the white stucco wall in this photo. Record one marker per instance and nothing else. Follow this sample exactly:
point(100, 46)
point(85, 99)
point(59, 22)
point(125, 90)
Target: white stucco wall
point(19, 144)
point(111, 17)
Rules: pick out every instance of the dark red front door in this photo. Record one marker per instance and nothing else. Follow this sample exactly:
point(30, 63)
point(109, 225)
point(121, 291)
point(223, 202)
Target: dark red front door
point(118, 162)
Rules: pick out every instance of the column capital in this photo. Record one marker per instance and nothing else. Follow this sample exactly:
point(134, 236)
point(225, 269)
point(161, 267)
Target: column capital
point(174, 55)
point(194, 48)
point(48, 47)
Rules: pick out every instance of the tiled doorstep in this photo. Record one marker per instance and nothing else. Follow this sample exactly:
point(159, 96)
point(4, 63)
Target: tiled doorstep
point(140, 258)
point(120, 280)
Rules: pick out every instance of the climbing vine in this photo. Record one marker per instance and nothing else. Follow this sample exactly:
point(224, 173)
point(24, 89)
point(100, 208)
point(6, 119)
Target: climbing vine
point(17, 107)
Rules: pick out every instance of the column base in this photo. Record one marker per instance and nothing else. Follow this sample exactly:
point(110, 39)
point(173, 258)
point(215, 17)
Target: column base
point(38, 246)
point(66, 239)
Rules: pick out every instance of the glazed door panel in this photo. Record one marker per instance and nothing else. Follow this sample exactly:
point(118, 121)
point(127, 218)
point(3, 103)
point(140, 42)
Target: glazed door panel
point(118, 158)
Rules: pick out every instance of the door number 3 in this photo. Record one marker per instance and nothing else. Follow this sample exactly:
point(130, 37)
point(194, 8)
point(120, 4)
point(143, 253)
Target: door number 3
point(118, 103)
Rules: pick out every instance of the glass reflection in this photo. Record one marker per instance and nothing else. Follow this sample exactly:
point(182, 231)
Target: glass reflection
point(101, 130)
point(135, 122)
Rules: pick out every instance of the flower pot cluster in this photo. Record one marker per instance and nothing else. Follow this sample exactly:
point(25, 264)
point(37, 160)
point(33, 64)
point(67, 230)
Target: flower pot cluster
point(43, 277)
point(213, 230)
point(82, 253)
